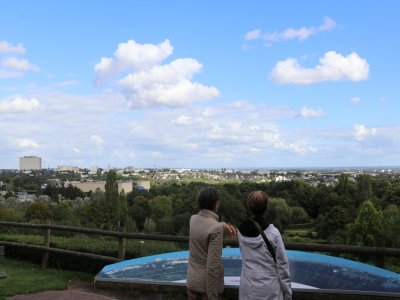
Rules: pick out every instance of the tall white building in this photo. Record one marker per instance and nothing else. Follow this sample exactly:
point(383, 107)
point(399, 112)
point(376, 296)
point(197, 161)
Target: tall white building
point(30, 163)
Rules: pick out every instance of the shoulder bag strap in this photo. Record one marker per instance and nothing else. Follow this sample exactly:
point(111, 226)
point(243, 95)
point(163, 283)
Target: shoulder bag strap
point(267, 242)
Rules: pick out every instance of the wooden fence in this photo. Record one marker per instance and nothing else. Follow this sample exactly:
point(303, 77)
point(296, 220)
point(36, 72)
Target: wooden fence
point(379, 252)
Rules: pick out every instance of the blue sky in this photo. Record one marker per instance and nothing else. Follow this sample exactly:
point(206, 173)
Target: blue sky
point(206, 84)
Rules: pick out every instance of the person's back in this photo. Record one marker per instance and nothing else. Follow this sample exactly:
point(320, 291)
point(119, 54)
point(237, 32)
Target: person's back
point(262, 277)
point(205, 277)
point(205, 270)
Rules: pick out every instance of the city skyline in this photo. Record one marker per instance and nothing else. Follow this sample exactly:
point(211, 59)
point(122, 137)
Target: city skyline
point(200, 85)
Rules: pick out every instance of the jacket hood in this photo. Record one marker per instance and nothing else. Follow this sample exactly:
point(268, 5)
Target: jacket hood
point(251, 242)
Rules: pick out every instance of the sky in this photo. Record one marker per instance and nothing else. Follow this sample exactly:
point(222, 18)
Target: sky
point(200, 84)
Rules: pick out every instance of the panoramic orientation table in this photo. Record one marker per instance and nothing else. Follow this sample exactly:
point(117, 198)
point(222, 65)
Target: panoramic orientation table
point(307, 270)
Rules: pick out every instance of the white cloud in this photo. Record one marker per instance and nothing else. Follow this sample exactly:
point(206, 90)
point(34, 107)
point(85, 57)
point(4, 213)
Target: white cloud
point(19, 105)
point(300, 34)
point(309, 113)
point(6, 47)
point(131, 56)
point(355, 100)
point(97, 140)
point(18, 64)
point(131, 155)
point(26, 143)
point(149, 82)
point(253, 35)
point(361, 132)
point(301, 147)
point(4, 74)
point(76, 150)
point(242, 105)
point(117, 153)
point(332, 66)
point(183, 120)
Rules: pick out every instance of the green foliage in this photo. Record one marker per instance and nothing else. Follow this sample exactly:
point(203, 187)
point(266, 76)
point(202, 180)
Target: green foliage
point(345, 188)
point(299, 215)
point(364, 188)
point(96, 213)
point(139, 210)
point(131, 225)
point(391, 226)
point(160, 207)
point(52, 191)
point(278, 213)
point(64, 214)
point(112, 198)
point(335, 219)
point(149, 225)
point(367, 227)
point(72, 192)
point(123, 209)
point(7, 214)
point(38, 211)
point(230, 209)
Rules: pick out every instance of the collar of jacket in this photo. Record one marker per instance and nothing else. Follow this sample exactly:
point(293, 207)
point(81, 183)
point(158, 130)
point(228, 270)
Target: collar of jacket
point(208, 214)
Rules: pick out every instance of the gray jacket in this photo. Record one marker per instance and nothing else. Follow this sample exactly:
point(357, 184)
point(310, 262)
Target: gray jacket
point(261, 277)
point(205, 270)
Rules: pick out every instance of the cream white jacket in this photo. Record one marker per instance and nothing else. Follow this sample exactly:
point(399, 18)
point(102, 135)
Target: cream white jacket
point(205, 269)
point(261, 277)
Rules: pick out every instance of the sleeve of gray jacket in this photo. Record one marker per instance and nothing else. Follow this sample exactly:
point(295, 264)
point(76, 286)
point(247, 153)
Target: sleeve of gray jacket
point(283, 268)
point(214, 263)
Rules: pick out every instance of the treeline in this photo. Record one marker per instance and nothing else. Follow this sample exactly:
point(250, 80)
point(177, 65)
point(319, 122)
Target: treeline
point(353, 211)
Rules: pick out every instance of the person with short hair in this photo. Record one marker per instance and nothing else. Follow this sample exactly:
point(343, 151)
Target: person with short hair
point(265, 266)
point(205, 276)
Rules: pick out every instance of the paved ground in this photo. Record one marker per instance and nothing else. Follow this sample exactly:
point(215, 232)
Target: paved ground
point(81, 291)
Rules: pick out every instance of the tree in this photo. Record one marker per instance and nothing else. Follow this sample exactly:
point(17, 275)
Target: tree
point(64, 214)
point(160, 207)
point(96, 212)
point(391, 225)
point(149, 225)
point(52, 191)
point(299, 215)
point(367, 226)
point(345, 189)
point(278, 213)
point(38, 211)
point(72, 192)
point(333, 221)
point(364, 188)
point(123, 210)
point(139, 211)
point(112, 197)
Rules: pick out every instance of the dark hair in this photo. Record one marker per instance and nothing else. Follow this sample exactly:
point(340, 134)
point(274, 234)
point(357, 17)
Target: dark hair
point(207, 198)
point(257, 203)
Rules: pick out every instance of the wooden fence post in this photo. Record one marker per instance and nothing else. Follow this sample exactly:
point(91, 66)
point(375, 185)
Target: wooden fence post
point(46, 243)
point(121, 245)
point(380, 258)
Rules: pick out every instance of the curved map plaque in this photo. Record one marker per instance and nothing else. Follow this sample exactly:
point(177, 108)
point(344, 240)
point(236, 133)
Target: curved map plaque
point(308, 271)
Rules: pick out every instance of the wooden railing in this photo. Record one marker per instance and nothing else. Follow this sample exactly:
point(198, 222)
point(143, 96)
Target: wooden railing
point(378, 252)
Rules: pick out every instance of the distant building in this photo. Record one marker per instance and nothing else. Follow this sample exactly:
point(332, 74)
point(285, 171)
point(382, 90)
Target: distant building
point(30, 163)
point(142, 185)
point(127, 186)
point(67, 169)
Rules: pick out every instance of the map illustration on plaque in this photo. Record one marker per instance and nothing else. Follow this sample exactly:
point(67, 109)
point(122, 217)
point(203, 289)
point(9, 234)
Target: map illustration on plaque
point(307, 270)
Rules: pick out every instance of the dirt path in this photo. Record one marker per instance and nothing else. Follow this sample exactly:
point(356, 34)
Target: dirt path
point(76, 291)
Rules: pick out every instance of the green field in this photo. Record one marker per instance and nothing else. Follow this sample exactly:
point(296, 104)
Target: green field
point(27, 278)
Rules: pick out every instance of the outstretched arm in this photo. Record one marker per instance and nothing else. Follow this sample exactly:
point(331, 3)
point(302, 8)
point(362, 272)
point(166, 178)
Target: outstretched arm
point(213, 271)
